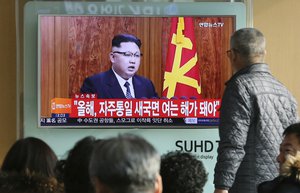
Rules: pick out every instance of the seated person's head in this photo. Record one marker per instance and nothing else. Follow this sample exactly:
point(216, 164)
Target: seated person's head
point(289, 160)
point(30, 155)
point(76, 169)
point(182, 173)
point(125, 164)
point(290, 143)
point(125, 55)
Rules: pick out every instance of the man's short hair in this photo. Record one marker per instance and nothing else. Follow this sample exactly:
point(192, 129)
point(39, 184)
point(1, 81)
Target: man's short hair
point(120, 38)
point(249, 42)
point(125, 164)
point(182, 172)
point(293, 129)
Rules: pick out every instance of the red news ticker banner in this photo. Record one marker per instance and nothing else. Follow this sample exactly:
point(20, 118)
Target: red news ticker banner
point(128, 108)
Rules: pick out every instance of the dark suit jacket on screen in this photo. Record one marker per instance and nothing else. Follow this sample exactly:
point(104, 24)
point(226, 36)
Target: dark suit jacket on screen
point(106, 85)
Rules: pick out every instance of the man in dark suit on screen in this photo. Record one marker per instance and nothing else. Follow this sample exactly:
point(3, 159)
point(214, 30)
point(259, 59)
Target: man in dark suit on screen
point(121, 80)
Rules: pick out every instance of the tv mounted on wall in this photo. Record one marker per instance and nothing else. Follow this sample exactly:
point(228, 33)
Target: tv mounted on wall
point(74, 42)
point(65, 42)
point(65, 72)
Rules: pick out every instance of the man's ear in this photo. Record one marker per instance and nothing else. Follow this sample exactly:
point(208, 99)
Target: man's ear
point(234, 56)
point(112, 57)
point(158, 184)
point(99, 186)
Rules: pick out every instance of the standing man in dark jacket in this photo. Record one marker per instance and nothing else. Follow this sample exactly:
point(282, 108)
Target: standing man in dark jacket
point(255, 109)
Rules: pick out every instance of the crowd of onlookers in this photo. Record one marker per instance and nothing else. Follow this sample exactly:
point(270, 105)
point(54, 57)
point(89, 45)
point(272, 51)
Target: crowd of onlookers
point(126, 163)
point(123, 164)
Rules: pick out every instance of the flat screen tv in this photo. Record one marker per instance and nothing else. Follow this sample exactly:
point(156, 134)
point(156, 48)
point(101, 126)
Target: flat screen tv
point(73, 42)
point(65, 42)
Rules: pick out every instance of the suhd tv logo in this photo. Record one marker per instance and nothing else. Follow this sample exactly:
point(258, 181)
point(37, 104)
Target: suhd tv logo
point(196, 145)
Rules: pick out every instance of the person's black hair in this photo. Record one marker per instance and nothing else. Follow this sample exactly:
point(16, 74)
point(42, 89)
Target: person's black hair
point(30, 154)
point(120, 38)
point(293, 129)
point(125, 164)
point(76, 167)
point(182, 172)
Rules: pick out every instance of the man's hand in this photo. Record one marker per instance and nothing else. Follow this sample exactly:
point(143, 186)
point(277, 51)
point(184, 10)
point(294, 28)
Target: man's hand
point(220, 191)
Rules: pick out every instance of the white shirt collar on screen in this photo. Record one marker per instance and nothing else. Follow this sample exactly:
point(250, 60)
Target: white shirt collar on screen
point(122, 82)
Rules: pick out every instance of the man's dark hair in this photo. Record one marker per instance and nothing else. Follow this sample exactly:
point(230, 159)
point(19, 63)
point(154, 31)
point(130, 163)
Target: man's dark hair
point(182, 172)
point(125, 164)
point(30, 154)
point(120, 38)
point(293, 129)
point(76, 169)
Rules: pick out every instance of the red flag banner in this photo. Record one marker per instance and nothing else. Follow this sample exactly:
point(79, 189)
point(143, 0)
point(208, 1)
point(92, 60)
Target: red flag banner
point(182, 73)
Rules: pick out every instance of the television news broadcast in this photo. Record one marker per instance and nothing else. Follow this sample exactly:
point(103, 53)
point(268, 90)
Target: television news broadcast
point(182, 56)
point(67, 42)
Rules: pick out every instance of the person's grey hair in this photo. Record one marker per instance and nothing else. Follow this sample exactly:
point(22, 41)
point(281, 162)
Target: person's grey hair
point(125, 164)
point(249, 42)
